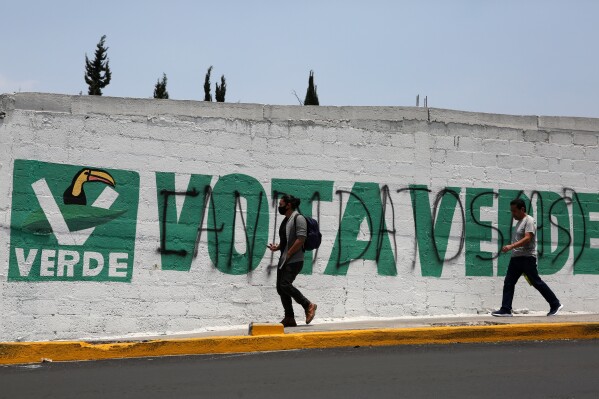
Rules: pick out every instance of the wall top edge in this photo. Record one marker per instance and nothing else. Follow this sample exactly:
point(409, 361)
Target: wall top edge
point(114, 106)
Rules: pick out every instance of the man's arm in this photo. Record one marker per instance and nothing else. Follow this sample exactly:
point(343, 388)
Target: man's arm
point(300, 230)
point(527, 237)
point(297, 245)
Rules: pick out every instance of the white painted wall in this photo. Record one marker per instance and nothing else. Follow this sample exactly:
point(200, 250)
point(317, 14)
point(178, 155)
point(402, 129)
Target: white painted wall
point(386, 145)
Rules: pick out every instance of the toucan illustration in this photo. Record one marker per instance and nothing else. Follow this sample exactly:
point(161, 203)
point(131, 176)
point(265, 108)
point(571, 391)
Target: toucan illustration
point(74, 194)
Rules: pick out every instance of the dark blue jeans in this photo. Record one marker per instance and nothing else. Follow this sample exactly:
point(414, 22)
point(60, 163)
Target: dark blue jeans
point(525, 265)
point(285, 277)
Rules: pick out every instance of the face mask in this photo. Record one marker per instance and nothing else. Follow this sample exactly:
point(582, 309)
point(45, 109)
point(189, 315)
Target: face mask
point(282, 210)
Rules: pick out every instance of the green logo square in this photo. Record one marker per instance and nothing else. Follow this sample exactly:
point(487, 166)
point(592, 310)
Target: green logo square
point(72, 223)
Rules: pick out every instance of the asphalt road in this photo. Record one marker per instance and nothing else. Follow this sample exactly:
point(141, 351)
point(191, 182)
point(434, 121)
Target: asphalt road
point(514, 370)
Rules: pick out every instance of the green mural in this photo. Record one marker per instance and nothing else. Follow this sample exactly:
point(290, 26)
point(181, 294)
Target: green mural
point(227, 194)
point(478, 263)
point(77, 223)
point(180, 230)
point(586, 259)
point(552, 206)
point(435, 224)
point(363, 203)
point(72, 223)
point(432, 244)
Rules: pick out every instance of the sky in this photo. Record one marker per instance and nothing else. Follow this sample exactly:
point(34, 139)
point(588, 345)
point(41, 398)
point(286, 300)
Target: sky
point(515, 57)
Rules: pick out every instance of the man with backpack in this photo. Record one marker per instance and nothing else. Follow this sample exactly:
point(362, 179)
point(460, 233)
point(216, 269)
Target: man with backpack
point(292, 236)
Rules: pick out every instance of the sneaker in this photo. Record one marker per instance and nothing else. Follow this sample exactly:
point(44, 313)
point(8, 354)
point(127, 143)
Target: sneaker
point(289, 322)
point(555, 310)
point(310, 312)
point(502, 313)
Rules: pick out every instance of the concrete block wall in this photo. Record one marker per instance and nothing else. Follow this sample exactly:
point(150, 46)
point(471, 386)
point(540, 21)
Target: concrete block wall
point(127, 258)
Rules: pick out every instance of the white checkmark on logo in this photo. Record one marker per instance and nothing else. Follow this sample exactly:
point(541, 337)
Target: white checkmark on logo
point(64, 236)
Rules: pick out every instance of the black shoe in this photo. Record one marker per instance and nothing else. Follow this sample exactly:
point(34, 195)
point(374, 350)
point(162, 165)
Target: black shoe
point(289, 322)
point(555, 310)
point(502, 313)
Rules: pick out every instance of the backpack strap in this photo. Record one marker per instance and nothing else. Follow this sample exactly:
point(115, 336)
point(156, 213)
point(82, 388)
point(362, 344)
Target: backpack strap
point(295, 227)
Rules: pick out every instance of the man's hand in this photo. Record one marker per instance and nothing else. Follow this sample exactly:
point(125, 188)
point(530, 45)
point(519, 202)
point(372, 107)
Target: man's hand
point(273, 247)
point(507, 248)
point(527, 238)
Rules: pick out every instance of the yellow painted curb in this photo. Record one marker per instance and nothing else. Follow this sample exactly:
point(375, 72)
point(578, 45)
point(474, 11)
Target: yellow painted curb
point(33, 352)
point(266, 329)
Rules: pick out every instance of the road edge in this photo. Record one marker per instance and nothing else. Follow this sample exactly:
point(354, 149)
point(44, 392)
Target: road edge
point(59, 351)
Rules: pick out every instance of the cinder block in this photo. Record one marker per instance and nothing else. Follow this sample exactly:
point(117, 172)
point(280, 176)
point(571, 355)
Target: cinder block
point(496, 146)
point(586, 139)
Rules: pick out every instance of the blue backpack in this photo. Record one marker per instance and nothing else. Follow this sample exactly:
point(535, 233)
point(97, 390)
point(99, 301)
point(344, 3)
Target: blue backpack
point(313, 236)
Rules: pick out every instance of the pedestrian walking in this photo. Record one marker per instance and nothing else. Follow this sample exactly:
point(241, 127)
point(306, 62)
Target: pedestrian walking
point(524, 261)
point(292, 235)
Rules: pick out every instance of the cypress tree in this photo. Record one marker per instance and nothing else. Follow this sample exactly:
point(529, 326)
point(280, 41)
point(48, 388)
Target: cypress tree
point(311, 96)
point(97, 72)
point(160, 88)
point(207, 95)
point(221, 90)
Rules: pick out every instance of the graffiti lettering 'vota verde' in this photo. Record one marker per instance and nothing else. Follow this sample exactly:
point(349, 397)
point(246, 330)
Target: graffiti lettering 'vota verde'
point(72, 223)
point(216, 207)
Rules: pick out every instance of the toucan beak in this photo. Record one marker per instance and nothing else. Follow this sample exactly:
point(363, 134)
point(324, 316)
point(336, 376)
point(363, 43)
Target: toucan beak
point(101, 176)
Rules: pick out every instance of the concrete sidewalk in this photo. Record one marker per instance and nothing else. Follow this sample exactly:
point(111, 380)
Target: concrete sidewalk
point(327, 325)
point(321, 334)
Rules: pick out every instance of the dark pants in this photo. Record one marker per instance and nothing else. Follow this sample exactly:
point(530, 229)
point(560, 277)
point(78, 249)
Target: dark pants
point(285, 277)
point(525, 265)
